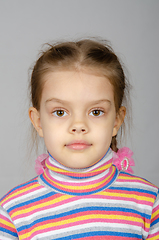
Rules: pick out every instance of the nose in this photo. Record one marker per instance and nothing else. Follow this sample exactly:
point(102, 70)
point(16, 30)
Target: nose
point(79, 127)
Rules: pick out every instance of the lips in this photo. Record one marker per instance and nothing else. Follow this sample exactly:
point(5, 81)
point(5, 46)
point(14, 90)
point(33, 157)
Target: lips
point(78, 145)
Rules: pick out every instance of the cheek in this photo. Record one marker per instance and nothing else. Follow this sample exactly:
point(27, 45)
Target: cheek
point(53, 134)
point(106, 136)
point(104, 132)
point(107, 126)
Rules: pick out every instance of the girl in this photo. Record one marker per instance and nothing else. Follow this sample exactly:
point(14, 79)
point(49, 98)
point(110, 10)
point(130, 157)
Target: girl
point(85, 189)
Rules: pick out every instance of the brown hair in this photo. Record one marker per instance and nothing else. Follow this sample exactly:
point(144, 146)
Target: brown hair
point(95, 55)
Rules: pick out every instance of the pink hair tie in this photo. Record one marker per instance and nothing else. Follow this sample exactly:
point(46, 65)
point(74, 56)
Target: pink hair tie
point(40, 163)
point(123, 159)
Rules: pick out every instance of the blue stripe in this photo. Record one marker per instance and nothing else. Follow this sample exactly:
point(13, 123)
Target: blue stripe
point(14, 234)
point(19, 186)
point(85, 193)
point(148, 182)
point(101, 233)
point(131, 189)
point(91, 209)
point(155, 222)
point(73, 177)
point(34, 200)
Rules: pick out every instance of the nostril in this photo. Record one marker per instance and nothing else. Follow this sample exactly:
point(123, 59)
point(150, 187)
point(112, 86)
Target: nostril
point(78, 130)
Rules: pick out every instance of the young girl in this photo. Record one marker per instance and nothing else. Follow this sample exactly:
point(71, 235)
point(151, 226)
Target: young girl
point(85, 189)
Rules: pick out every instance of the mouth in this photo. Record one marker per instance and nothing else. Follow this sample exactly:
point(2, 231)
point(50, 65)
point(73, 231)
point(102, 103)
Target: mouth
point(78, 145)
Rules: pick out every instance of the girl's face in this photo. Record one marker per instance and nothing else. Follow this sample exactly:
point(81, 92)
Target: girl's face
point(77, 117)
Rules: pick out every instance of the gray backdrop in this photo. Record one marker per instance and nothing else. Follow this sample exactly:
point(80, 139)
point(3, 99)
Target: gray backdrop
point(132, 26)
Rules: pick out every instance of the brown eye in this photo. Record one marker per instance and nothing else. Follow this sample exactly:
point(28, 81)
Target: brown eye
point(96, 113)
point(59, 113)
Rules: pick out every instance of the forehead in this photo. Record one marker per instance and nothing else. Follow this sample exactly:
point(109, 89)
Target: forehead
point(76, 85)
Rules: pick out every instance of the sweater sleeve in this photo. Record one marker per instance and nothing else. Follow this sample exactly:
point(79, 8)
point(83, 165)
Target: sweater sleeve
point(7, 228)
point(154, 227)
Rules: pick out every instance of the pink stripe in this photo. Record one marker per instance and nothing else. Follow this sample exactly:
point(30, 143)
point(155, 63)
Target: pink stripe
point(102, 196)
point(4, 225)
point(98, 180)
point(58, 204)
point(4, 218)
point(22, 194)
point(135, 180)
point(153, 235)
point(156, 209)
point(100, 185)
point(88, 173)
point(43, 208)
point(82, 222)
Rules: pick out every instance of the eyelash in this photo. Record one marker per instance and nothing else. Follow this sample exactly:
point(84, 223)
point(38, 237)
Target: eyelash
point(60, 110)
point(101, 112)
point(92, 113)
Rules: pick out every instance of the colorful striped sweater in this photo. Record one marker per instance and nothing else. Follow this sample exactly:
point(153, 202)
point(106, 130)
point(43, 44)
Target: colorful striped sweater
point(94, 203)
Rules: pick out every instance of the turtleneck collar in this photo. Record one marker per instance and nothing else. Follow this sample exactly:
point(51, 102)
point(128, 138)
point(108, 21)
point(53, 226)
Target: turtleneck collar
point(80, 181)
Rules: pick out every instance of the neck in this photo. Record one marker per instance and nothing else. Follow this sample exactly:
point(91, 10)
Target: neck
point(80, 181)
point(57, 167)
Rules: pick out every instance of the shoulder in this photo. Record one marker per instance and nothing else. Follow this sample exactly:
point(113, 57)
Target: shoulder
point(20, 191)
point(137, 187)
point(135, 180)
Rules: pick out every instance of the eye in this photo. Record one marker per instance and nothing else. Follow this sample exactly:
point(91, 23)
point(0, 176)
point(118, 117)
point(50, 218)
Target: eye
point(96, 113)
point(60, 113)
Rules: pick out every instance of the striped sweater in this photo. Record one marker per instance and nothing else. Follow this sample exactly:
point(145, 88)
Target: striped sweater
point(94, 203)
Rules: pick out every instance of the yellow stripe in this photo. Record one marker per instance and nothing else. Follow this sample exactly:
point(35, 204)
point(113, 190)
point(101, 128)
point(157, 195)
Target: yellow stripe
point(37, 206)
point(155, 214)
point(55, 169)
point(138, 197)
point(81, 187)
point(9, 224)
point(81, 218)
point(154, 238)
point(20, 191)
point(133, 178)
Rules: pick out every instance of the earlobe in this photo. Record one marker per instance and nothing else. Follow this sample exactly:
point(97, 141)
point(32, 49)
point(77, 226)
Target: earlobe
point(119, 120)
point(34, 116)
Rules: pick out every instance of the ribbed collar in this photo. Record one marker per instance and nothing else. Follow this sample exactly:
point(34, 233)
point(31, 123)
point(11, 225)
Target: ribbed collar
point(80, 181)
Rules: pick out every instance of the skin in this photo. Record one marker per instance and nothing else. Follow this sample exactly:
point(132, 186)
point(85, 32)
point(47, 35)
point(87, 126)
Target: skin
point(77, 117)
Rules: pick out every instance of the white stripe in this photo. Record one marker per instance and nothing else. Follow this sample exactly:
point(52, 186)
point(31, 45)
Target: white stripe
point(141, 185)
point(86, 202)
point(5, 238)
point(95, 226)
point(22, 198)
point(66, 179)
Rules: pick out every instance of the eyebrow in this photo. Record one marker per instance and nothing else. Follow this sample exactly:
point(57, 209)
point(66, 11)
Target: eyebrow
point(55, 100)
point(64, 101)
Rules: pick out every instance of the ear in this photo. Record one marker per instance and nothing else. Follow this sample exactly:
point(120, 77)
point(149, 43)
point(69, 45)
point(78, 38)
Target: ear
point(35, 119)
point(119, 120)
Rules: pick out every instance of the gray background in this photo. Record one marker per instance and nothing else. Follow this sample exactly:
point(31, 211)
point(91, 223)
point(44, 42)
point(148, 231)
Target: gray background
point(132, 26)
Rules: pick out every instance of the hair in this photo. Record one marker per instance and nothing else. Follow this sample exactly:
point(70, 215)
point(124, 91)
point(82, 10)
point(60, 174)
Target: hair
point(97, 56)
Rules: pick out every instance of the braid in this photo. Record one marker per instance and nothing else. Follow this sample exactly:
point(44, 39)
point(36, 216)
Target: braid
point(113, 144)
